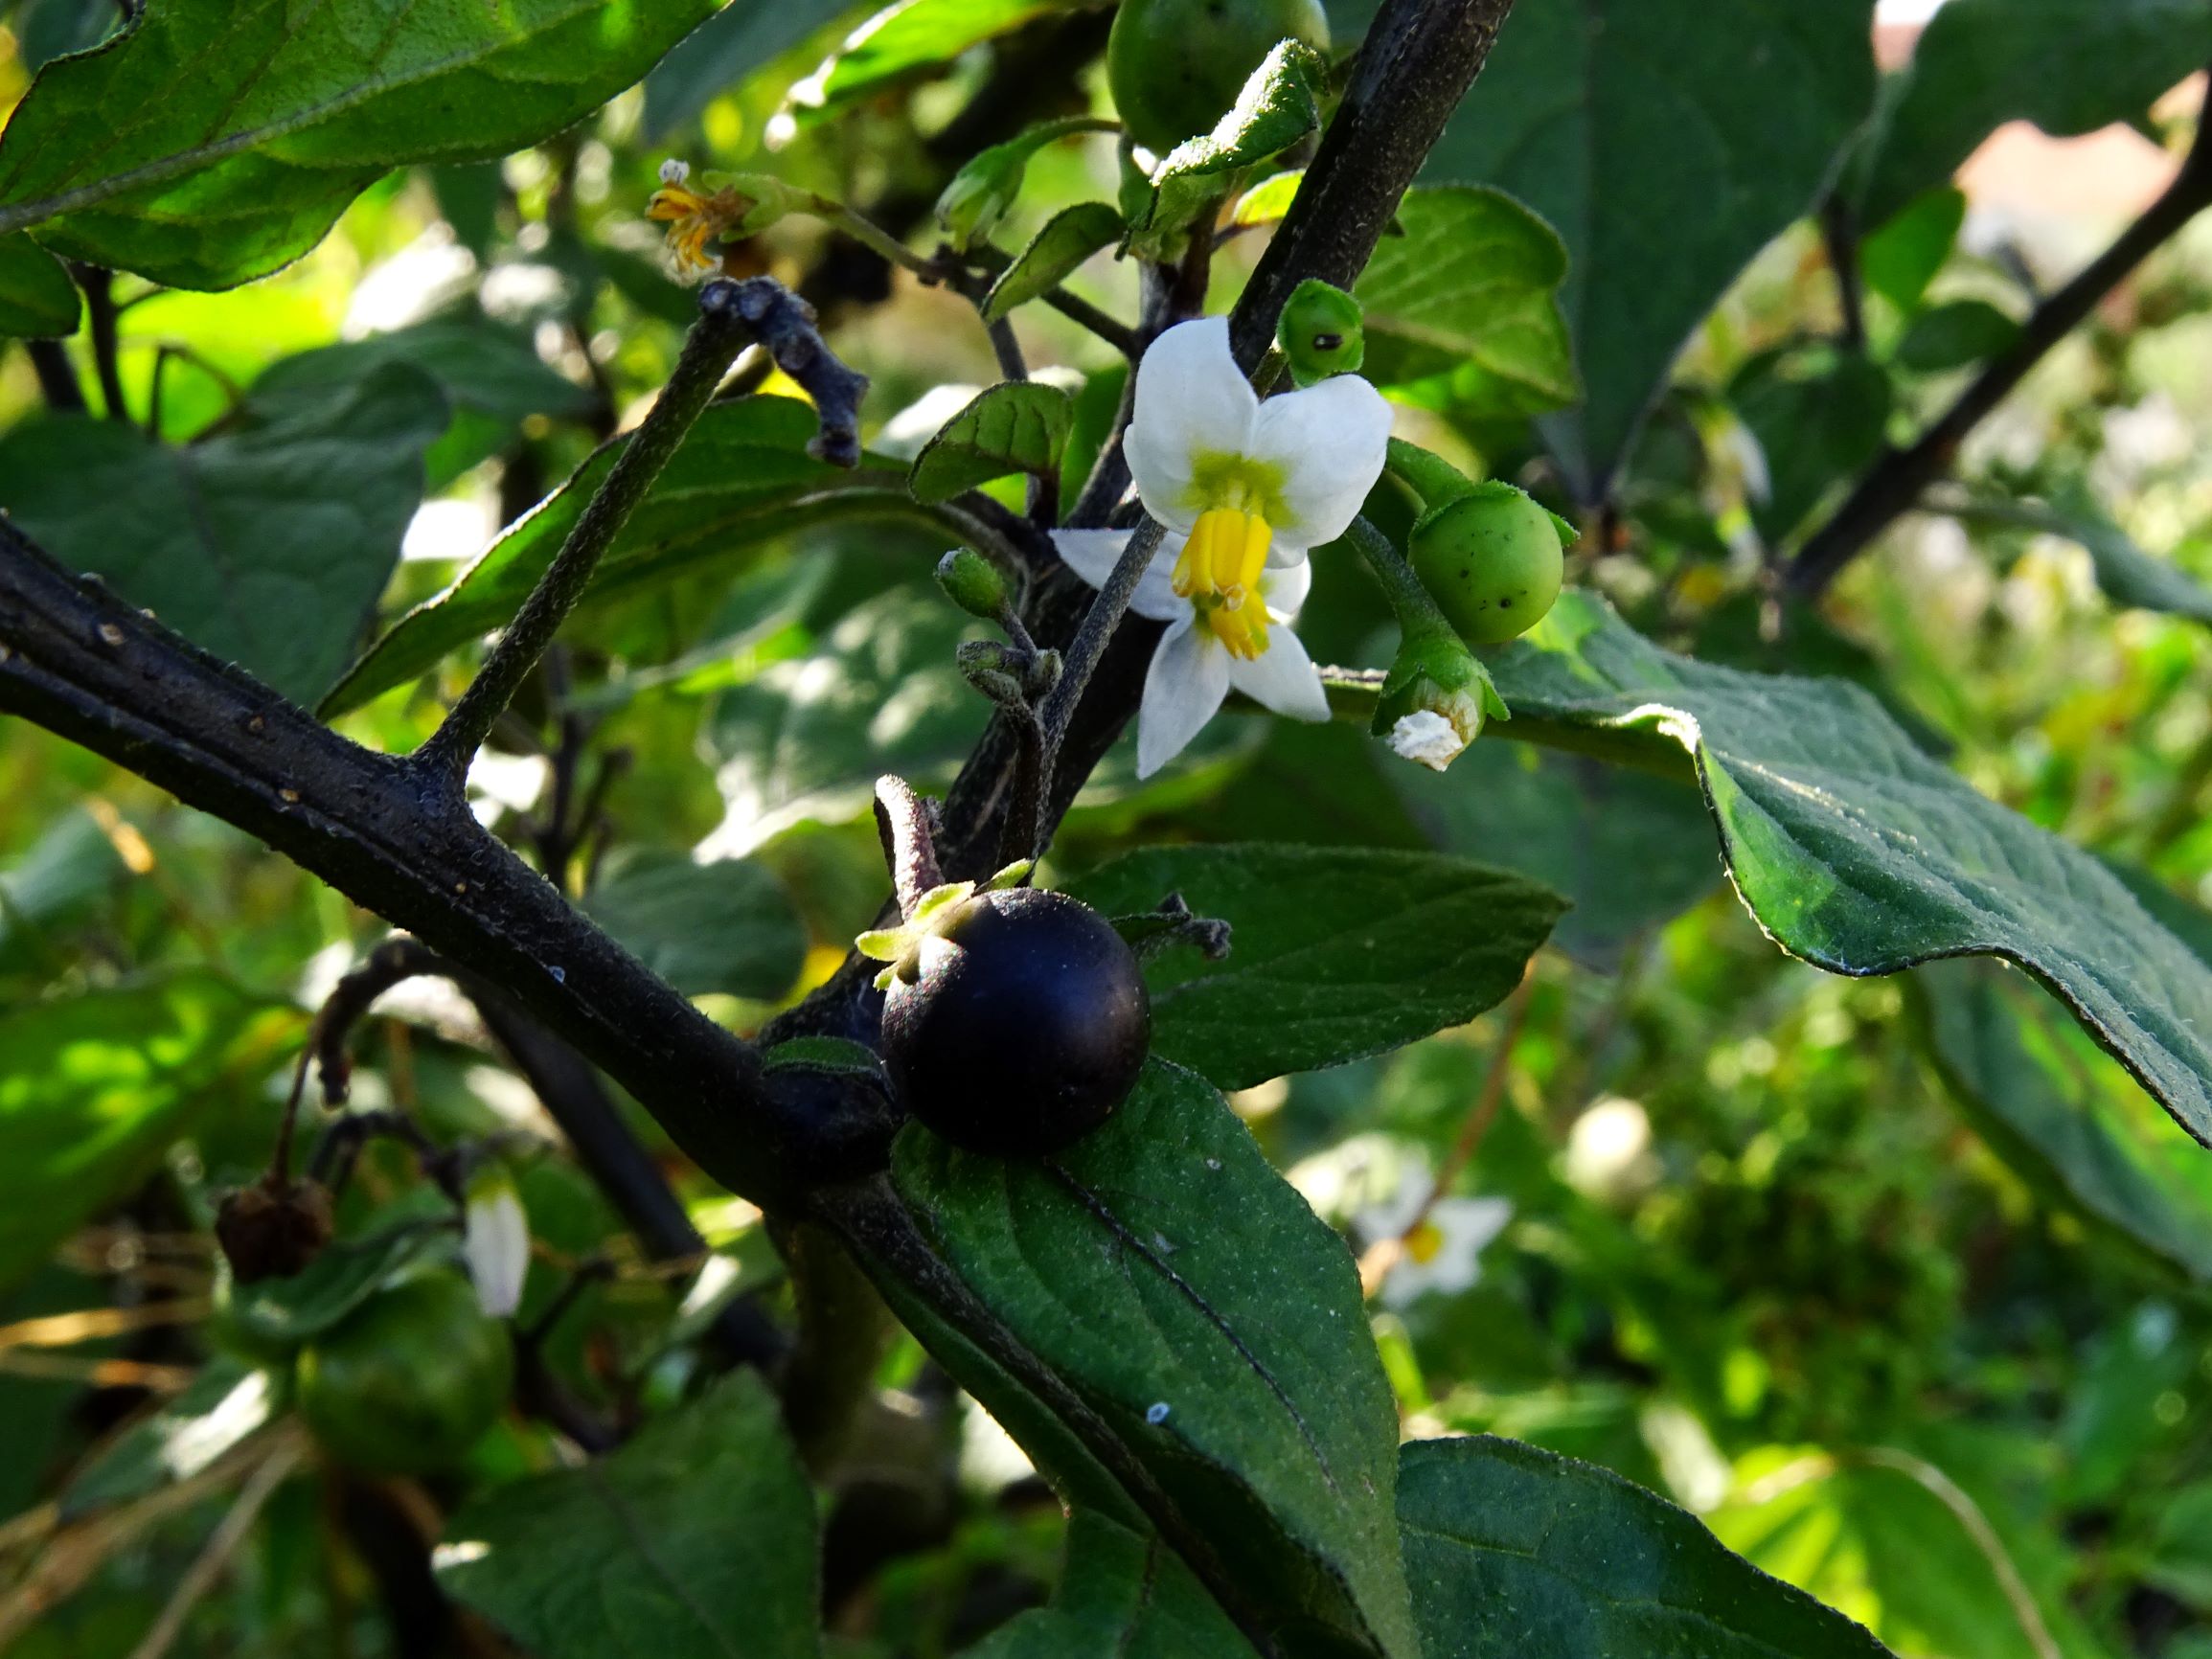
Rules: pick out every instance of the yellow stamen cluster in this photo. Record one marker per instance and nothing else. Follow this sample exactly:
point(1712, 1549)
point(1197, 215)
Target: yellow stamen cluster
point(1219, 572)
point(1425, 1242)
point(693, 220)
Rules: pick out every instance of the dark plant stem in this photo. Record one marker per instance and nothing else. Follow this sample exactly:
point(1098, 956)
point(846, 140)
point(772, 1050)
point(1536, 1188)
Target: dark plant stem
point(1840, 232)
point(100, 315)
point(1900, 478)
point(58, 381)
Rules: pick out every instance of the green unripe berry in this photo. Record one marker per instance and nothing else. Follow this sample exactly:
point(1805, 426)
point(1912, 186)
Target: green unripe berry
point(1176, 66)
point(973, 583)
point(1491, 560)
point(1322, 332)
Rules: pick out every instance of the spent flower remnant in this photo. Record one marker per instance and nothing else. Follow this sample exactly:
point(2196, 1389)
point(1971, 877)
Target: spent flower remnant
point(1245, 489)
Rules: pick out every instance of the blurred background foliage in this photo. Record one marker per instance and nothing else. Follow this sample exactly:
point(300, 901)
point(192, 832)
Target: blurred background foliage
point(1898, 1284)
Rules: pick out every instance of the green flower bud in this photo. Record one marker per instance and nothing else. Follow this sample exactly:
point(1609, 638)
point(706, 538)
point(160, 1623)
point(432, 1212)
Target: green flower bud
point(1435, 700)
point(973, 583)
point(1491, 560)
point(982, 193)
point(1321, 331)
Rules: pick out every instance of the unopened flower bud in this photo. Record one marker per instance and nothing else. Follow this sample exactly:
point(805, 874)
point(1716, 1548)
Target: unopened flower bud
point(1435, 700)
point(982, 193)
point(1322, 332)
point(973, 583)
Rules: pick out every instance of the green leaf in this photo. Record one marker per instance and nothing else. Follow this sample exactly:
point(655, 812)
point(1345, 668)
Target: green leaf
point(806, 740)
point(1069, 238)
point(55, 879)
point(741, 476)
point(2041, 1110)
point(478, 366)
point(1017, 426)
point(1212, 1323)
point(1859, 853)
point(911, 38)
point(37, 300)
point(1120, 1593)
point(227, 1401)
point(726, 926)
point(1469, 296)
point(93, 1090)
point(1630, 851)
point(1515, 1550)
point(722, 54)
point(696, 1537)
point(1669, 141)
point(1955, 335)
point(1278, 105)
point(1901, 257)
point(2127, 574)
point(216, 139)
point(1334, 953)
point(1820, 417)
point(268, 545)
point(2070, 66)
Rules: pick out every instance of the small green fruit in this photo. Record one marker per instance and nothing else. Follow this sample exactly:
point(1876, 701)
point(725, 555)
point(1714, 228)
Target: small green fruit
point(1491, 560)
point(1322, 332)
point(409, 1381)
point(1176, 66)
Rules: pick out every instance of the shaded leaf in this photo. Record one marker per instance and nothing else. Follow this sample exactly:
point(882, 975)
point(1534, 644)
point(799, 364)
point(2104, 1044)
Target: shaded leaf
point(1017, 426)
point(1334, 953)
point(278, 1313)
point(907, 38)
point(2127, 574)
point(807, 739)
point(722, 54)
point(93, 1090)
point(1819, 417)
point(2070, 66)
point(1859, 853)
point(213, 141)
point(1668, 141)
point(741, 476)
point(1469, 296)
point(726, 926)
point(227, 1401)
point(697, 1537)
point(1515, 1550)
point(1196, 1305)
point(478, 366)
point(1069, 238)
point(1278, 105)
point(1900, 258)
point(1955, 335)
point(1119, 1594)
point(57, 878)
point(37, 300)
point(1990, 1039)
point(268, 545)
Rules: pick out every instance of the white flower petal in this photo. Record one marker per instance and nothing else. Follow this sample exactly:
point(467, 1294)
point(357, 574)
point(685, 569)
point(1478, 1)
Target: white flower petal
point(1192, 399)
point(1282, 678)
point(1330, 441)
point(1285, 589)
point(1183, 688)
point(495, 1241)
point(1093, 554)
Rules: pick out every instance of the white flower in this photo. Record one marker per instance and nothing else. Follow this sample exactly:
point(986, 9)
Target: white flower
point(1277, 477)
point(1443, 1252)
point(1234, 635)
point(495, 1241)
point(674, 171)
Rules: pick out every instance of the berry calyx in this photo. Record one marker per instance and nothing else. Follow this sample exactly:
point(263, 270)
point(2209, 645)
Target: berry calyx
point(1491, 560)
point(409, 1381)
point(273, 1228)
point(1018, 1026)
point(1176, 66)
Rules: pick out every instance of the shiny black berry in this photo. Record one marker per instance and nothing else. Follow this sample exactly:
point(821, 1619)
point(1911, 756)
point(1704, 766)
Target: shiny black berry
point(1024, 1029)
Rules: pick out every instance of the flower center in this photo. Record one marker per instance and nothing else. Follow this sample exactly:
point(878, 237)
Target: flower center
point(1423, 1242)
point(1219, 572)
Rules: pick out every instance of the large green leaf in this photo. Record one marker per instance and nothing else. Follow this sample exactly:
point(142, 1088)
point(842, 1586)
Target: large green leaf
point(1335, 953)
point(1015, 426)
point(93, 1090)
point(1278, 105)
point(1065, 240)
point(1859, 853)
point(1121, 1594)
point(696, 1537)
point(726, 926)
point(2043, 1112)
point(807, 739)
point(268, 545)
point(741, 476)
point(1214, 1324)
point(1667, 141)
point(722, 54)
point(909, 37)
point(215, 140)
point(2070, 66)
point(1630, 851)
point(1512, 1551)
point(1463, 307)
point(37, 300)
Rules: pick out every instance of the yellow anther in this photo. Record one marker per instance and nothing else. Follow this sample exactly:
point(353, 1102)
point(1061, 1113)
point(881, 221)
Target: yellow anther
point(1425, 1241)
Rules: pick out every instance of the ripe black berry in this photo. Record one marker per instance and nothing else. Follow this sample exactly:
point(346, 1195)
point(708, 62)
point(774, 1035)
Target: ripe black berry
point(1025, 1028)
